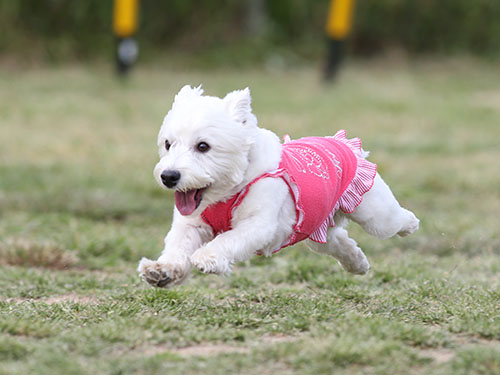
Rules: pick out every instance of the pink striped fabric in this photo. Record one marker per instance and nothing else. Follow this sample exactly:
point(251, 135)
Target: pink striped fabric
point(343, 190)
point(324, 174)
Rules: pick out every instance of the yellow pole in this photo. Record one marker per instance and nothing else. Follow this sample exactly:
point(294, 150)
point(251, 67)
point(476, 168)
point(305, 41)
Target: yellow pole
point(339, 21)
point(338, 27)
point(125, 17)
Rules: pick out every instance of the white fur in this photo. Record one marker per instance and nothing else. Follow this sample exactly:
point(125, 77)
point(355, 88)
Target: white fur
point(239, 152)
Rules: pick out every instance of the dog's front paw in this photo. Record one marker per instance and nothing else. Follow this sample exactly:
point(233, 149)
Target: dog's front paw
point(161, 275)
point(207, 261)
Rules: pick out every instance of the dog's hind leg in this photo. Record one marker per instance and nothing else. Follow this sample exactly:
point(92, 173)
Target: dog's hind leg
point(380, 214)
point(342, 248)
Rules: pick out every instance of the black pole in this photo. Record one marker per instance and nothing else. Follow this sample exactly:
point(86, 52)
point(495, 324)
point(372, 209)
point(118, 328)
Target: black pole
point(334, 58)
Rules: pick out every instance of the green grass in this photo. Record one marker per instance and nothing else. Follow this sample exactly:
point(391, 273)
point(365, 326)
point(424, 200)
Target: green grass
point(79, 207)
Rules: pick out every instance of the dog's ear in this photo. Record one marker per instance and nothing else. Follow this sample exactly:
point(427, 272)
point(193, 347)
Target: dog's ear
point(188, 92)
point(238, 104)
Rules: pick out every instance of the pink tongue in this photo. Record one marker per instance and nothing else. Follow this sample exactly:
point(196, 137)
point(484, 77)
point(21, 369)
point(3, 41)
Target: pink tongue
point(186, 203)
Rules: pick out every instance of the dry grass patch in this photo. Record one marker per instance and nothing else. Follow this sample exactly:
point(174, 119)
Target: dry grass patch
point(487, 99)
point(200, 350)
point(64, 298)
point(27, 253)
point(209, 350)
point(73, 298)
point(440, 355)
point(278, 338)
point(215, 349)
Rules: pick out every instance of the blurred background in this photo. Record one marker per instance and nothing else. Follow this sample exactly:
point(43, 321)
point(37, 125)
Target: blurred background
point(245, 32)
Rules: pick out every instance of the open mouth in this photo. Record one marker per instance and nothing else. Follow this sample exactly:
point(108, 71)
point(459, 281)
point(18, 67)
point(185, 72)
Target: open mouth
point(188, 201)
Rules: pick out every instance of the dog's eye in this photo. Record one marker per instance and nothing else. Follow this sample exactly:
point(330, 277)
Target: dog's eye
point(202, 147)
point(167, 144)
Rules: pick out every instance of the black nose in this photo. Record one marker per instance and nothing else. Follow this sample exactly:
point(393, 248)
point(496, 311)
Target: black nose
point(170, 178)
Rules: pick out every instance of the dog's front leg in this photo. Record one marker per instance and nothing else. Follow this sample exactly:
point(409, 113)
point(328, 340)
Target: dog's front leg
point(173, 265)
point(263, 221)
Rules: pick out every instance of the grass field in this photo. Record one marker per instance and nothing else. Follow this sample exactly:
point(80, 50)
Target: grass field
point(79, 207)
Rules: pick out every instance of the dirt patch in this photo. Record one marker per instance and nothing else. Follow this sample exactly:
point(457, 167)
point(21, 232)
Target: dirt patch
point(207, 349)
point(45, 254)
point(71, 297)
point(87, 300)
point(439, 355)
point(202, 350)
point(463, 339)
point(443, 355)
point(279, 338)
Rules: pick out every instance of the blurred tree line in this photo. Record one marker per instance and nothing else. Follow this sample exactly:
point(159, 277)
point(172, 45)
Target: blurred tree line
point(59, 29)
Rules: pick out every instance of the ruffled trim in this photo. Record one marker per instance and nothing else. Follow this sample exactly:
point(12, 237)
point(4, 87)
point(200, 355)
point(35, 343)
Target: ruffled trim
point(363, 179)
point(353, 195)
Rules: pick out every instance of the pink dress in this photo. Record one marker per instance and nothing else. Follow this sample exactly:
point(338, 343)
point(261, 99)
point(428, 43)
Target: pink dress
point(323, 174)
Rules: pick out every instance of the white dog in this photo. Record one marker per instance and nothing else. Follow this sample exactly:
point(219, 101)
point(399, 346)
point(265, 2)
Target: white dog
point(239, 192)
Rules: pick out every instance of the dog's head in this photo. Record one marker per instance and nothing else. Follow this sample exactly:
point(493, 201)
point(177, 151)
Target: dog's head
point(204, 143)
